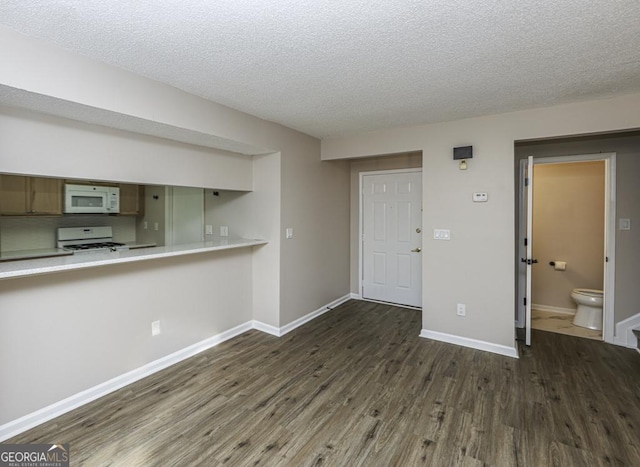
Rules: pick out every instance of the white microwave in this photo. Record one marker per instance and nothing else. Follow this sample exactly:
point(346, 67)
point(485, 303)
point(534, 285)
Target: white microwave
point(91, 199)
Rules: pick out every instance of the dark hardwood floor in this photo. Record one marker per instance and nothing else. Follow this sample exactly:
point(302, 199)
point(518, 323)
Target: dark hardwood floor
point(357, 386)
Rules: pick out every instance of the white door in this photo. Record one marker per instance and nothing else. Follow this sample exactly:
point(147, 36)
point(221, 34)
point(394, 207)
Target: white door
point(528, 259)
point(391, 238)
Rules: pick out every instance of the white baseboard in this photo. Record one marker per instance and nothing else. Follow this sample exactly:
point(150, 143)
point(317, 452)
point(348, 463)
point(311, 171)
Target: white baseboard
point(313, 315)
point(355, 296)
point(266, 328)
point(471, 343)
point(278, 332)
point(624, 332)
point(554, 309)
point(22, 424)
point(15, 427)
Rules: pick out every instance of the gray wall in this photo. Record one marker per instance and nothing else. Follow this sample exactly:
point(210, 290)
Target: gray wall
point(476, 267)
point(627, 149)
point(105, 334)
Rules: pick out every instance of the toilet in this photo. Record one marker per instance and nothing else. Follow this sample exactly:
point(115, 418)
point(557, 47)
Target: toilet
point(589, 313)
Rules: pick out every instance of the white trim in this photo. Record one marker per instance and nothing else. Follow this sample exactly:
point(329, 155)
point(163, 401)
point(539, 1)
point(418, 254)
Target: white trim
point(279, 332)
point(361, 176)
point(554, 309)
point(610, 230)
point(356, 296)
point(22, 424)
point(624, 332)
point(522, 250)
point(15, 427)
point(266, 328)
point(471, 343)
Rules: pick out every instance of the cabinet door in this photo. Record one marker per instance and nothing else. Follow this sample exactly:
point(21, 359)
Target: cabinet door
point(46, 195)
point(13, 195)
point(131, 199)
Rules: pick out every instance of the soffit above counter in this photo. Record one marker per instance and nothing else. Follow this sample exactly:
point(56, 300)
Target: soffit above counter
point(49, 105)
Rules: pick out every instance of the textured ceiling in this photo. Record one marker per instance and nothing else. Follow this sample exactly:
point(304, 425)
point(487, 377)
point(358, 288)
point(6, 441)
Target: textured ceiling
point(334, 67)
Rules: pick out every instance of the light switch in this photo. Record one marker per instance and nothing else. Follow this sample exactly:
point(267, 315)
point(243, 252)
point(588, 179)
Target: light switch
point(625, 224)
point(442, 234)
point(209, 230)
point(289, 233)
point(224, 231)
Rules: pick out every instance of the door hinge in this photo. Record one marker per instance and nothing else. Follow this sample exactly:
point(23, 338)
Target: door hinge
point(525, 242)
point(525, 301)
point(606, 259)
point(526, 181)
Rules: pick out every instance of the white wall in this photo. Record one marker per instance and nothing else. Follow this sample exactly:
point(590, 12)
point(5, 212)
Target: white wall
point(477, 266)
point(37, 144)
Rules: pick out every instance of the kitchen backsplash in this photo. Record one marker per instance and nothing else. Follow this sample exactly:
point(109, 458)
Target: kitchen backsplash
point(31, 233)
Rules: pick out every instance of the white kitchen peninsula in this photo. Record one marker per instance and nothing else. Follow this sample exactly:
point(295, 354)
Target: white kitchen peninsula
point(15, 269)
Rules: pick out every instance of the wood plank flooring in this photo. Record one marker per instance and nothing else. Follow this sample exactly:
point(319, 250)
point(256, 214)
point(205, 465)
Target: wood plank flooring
point(357, 386)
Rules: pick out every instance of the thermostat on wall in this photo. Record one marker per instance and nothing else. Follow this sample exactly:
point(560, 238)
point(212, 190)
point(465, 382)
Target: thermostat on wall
point(480, 197)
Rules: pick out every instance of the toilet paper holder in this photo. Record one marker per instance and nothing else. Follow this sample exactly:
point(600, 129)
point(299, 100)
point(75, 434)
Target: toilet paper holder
point(558, 265)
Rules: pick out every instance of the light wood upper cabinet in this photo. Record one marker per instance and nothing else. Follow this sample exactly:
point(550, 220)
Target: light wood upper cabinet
point(131, 199)
point(46, 195)
point(13, 195)
point(20, 196)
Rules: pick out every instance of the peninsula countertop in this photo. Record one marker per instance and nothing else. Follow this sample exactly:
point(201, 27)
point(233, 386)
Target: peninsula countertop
point(58, 261)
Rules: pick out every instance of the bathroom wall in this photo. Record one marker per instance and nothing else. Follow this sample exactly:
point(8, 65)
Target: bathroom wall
point(627, 254)
point(568, 225)
point(406, 160)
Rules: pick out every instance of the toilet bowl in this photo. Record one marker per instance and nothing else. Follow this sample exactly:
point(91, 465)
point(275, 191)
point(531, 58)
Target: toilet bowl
point(589, 313)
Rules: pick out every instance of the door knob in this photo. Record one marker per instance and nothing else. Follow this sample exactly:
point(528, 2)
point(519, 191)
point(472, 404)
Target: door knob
point(417, 250)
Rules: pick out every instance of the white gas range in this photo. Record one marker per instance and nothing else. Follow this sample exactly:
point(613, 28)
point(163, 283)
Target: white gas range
point(88, 240)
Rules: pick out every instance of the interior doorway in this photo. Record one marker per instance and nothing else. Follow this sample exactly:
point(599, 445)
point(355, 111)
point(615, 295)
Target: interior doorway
point(390, 236)
point(546, 274)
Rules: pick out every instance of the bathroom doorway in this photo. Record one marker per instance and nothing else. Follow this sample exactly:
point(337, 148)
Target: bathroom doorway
point(571, 244)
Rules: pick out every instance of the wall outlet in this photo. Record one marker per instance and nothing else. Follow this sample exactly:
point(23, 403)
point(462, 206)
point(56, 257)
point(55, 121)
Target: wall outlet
point(288, 233)
point(145, 225)
point(224, 231)
point(209, 229)
point(156, 226)
point(480, 197)
point(155, 328)
point(461, 309)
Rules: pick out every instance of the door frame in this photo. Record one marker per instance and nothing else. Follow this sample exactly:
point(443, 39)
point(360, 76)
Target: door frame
point(609, 158)
point(361, 176)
